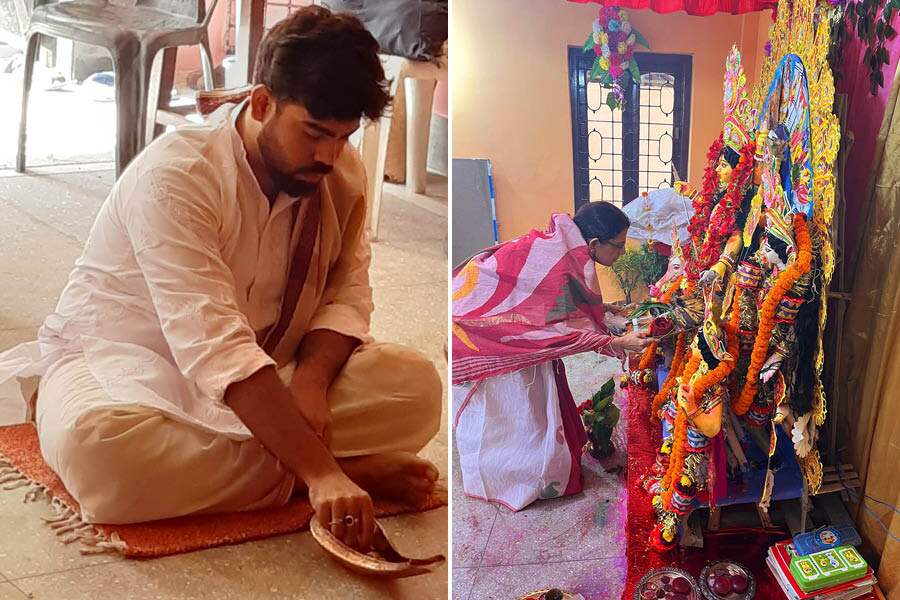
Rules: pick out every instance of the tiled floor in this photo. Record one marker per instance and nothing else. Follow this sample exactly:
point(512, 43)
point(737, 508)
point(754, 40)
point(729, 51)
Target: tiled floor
point(45, 221)
point(575, 543)
point(53, 135)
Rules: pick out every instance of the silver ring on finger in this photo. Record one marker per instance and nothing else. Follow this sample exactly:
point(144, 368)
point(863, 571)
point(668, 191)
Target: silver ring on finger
point(347, 521)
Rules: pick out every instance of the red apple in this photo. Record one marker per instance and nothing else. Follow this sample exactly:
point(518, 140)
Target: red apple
point(722, 586)
point(739, 584)
point(681, 585)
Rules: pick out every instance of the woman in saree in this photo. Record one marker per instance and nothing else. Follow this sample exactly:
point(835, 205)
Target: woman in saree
point(518, 308)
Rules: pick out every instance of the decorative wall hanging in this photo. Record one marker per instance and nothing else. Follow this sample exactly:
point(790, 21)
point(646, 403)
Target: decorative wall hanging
point(613, 41)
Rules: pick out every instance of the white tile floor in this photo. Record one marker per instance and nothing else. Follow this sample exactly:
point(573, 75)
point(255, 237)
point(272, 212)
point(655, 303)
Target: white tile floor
point(576, 543)
point(55, 134)
point(45, 221)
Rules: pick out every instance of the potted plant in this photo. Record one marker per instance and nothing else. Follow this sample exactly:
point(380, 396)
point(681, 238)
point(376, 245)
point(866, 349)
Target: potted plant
point(638, 266)
point(600, 416)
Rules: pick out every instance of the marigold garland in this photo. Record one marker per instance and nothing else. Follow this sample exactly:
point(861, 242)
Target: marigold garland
point(679, 439)
point(648, 356)
point(677, 359)
point(677, 362)
point(676, 462)
point(784, 283)
point(699, 389)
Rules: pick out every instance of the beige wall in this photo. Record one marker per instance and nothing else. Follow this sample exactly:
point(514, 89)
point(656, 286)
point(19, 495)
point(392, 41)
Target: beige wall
point(510, 93)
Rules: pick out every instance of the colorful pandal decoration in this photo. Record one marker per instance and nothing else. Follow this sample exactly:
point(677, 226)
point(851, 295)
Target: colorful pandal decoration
point(750, 303)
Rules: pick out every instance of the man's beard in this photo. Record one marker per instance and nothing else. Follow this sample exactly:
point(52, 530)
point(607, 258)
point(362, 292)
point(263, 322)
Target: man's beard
point(281, 179)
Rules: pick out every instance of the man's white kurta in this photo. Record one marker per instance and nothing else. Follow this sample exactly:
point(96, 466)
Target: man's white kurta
point(183, 274)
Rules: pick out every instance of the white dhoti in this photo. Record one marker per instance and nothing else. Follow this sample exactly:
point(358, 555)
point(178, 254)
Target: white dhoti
point(131, 463)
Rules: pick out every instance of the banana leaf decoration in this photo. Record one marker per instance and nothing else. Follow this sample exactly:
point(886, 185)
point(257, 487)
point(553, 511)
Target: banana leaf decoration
point(649, 307)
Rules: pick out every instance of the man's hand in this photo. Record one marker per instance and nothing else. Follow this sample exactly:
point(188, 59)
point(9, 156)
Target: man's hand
point(345, 509)
point(273, 415)
point(311, 395)
point(320, 357)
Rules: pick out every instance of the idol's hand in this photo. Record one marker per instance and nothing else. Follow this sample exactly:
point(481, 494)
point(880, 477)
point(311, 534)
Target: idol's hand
point(708, 278)
point(770, 367)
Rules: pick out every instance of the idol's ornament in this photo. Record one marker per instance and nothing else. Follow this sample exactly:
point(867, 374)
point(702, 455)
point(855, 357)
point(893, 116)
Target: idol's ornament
point(613, 41)
point(749, 299)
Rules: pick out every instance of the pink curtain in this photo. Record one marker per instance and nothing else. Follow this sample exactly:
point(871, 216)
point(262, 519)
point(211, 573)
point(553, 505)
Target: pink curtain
point(864, 116)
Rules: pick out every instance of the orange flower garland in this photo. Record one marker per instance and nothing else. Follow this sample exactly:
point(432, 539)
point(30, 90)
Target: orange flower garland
point(647, 357)
point(673, 287)
point(784, 283)
point(699, 389)
point(679, 440)
point(669, 385)
point(702, 385)
point(677, 359)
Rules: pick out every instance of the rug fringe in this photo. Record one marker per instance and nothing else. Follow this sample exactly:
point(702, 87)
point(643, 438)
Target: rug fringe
point(11, 475)
point(16, 484)
point(38, 491)
point(66, 523)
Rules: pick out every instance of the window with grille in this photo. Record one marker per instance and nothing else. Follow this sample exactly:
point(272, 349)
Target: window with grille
point(276, 10)
point(620, 154)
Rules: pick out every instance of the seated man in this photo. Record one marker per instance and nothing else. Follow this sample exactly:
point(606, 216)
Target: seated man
point(210, 351)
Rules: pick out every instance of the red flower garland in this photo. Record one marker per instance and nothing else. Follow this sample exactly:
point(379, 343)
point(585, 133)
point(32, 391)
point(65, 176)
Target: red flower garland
point(704, 201)
point(722, 223)
point(703, 204)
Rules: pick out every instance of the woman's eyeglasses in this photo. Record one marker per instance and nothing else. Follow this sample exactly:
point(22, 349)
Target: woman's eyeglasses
point(613, 244)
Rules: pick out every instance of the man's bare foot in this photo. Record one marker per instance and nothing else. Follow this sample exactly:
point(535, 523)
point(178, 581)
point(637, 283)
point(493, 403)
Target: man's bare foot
point(392, 475)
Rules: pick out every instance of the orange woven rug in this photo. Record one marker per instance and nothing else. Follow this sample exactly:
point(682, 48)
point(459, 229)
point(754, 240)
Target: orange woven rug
point(21, 465)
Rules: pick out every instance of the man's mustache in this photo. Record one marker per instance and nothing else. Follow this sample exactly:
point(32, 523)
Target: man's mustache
point(317, 168)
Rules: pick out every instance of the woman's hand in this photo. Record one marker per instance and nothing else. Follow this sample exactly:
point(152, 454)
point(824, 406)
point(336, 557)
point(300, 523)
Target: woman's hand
point(633, 342)
point(622, 310)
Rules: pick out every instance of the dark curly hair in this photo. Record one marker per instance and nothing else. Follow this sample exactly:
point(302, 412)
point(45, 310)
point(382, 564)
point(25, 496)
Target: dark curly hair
point(326, 61)
point(601, 220)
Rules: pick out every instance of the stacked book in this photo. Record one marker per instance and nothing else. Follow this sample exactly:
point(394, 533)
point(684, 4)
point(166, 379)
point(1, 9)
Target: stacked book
point(835, 574)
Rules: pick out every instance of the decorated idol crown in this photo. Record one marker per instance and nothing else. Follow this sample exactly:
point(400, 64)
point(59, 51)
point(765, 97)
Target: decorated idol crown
point(736, 130)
